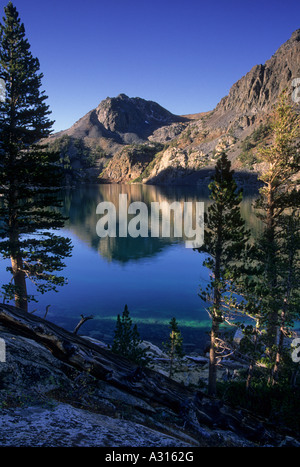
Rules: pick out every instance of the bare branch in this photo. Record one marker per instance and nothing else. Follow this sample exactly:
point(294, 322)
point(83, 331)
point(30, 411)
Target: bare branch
point(83, 320)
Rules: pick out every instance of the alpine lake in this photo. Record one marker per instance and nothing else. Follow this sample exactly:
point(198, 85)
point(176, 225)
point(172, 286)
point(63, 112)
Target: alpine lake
point(158, 278)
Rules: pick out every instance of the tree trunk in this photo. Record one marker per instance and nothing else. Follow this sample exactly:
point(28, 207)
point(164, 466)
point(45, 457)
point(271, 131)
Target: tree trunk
point(290, 233)
point(16, 257)
point(212, 377)
point(271, 267)
point(252, 363)
point(278, 357)
point(20, 282)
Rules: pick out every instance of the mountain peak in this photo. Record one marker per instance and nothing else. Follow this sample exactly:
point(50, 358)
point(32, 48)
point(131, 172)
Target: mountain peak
point(122, 96)
point(123, 120)
point(295, 36)
point(123, 114)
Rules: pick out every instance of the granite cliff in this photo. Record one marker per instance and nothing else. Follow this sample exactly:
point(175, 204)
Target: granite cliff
point(130, 139)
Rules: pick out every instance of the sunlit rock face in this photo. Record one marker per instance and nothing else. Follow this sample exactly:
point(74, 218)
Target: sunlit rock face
point(134, 116)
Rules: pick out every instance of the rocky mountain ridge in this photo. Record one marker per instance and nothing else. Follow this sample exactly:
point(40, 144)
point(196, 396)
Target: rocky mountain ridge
point(124, 120)
point(257, 91)
point(190, 143)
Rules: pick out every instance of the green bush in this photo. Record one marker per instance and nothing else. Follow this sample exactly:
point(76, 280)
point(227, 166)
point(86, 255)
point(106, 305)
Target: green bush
point(127, 340)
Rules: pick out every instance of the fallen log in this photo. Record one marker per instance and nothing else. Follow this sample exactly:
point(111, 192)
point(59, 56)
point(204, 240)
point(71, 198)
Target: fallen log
point(193, 408)
point(87, 356)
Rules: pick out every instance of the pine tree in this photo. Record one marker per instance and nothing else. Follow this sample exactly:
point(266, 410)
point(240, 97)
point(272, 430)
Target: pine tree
point(278, 208)
point(173, 346)
point(127, 340)
point(288, 267)
point(225, 239)
point(30, 174)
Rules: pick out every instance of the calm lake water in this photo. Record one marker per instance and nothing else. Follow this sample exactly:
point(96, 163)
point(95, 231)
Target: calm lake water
point(158, 278)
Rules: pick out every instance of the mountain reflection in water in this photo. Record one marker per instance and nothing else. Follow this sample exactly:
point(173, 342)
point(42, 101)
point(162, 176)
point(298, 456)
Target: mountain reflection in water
point(158, 278)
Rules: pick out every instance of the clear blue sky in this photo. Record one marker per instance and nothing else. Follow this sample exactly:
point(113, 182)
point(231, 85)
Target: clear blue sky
point(183, 54)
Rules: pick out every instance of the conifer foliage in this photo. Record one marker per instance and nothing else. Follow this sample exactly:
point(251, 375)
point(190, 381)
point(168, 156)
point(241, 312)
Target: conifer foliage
point(29, 174)
point(225, 239)
point(174, 346)
point(127, 340)
point(277, 254)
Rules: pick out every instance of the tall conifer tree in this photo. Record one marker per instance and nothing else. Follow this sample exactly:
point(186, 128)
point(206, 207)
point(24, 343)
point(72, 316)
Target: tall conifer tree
point(225, 238)
point(29, 173)
point(277, 250)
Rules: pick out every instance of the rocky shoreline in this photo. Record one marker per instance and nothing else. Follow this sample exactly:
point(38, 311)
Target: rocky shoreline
point(48, 402)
